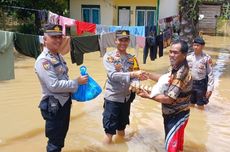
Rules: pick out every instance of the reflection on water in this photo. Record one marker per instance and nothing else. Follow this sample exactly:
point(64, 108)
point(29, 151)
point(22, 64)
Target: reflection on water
point(22, 124)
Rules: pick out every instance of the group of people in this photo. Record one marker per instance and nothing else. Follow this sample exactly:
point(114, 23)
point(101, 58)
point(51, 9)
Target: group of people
point(190, 80)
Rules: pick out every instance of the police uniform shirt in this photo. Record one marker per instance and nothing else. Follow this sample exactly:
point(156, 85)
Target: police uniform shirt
point(200, 67)
point(52, 72)
point(118, 72)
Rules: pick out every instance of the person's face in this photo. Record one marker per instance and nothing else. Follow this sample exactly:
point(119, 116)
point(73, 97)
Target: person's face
point(197, 47)
point(122, 44)
point(175, 55)
point(53, 42)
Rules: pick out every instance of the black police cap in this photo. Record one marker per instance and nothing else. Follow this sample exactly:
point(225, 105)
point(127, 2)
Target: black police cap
point(199, 40)
point(53, 29)
point(122, 34)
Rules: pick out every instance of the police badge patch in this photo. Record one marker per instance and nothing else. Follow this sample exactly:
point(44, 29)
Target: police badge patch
point(46, 65)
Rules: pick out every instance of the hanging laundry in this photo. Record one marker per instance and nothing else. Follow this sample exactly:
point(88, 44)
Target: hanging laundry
point(65, 45)
point(140, 41)
point(108, 40)
point(6, 56)
point(160, 44)
point(53, 18)
point(149, 29)
point(66, 22)
point(82, 27)
point(27, 44)
point(102, 29)
point(150, 44)
point(81, 45)
point(134, 30)
point(42, 16)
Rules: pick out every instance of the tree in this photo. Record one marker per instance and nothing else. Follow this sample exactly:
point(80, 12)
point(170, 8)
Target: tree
point(29, 15)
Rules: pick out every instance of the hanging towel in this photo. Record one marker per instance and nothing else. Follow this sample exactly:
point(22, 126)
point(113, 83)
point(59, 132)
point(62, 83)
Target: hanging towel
point(81, 45)
point(102, 29)
point(27, 44)
point(140, 41)
point(82, 27)
point(53, 18)
point(134, 30)
point(6, 56)
point(64, 21)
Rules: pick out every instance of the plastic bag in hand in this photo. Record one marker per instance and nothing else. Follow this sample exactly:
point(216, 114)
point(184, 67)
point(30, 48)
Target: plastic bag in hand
point(88, 91)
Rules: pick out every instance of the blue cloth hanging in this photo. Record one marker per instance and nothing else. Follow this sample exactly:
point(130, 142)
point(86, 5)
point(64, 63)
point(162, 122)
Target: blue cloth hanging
point(87, 91)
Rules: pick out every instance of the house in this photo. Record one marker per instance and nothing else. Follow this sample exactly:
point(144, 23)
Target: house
point(120, 12)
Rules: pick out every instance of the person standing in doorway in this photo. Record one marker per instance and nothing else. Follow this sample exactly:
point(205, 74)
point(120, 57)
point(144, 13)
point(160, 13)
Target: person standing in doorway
point(55, 104)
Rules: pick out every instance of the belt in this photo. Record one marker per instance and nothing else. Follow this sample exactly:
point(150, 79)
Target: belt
point(199, 82)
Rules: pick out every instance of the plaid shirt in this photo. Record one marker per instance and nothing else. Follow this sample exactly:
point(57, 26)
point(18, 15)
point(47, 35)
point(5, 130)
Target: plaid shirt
point(180, 87)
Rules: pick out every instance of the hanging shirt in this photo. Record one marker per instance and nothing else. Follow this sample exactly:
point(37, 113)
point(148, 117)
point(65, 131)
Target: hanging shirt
point(82, 27)
point(107, 40)
point(27, 44)
point(81, 45)
point(102, 29)
point(64, 21)
point(53, 18)
point(6, 56)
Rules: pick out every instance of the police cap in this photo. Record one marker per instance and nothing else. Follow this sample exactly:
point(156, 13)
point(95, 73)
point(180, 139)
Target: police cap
point(122, 34)
point(199, 40)
point(53, 29)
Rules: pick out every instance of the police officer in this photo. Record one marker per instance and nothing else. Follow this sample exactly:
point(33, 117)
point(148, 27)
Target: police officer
point(52, 72)
point(200, 65)
point(119, 66)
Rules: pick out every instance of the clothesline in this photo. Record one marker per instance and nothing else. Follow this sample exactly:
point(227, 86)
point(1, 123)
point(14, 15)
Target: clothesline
point(17, 7)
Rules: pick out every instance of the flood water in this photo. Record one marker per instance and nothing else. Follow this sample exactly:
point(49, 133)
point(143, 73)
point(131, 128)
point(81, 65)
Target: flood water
point(22, 127)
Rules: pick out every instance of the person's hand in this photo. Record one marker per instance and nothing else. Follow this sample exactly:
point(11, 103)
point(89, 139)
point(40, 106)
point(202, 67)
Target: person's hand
point(143, 93)
point(208, 94)
point(144, 76)
point(141, 75)
point(82, 79)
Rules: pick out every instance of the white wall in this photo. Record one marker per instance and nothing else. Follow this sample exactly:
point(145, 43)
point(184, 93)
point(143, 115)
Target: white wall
point(106, 10)
point(168, 8)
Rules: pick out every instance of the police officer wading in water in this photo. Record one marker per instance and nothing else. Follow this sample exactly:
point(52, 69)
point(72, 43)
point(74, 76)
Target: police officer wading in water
point(119, 66)
point(55, 105)
point(200, 65)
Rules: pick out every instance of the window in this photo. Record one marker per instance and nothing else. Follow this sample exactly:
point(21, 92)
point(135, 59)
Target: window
point(91, 13)
point(145, 16)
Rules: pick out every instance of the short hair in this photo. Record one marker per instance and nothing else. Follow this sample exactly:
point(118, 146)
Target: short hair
point(184, 45)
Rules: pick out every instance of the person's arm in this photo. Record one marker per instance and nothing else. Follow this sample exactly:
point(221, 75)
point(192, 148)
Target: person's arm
point(116, 75)
point(210, 85)
point(154, 76)
point(159, 98)
point(46, 73)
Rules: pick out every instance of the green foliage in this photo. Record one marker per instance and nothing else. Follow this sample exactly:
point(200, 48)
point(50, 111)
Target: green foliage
point(27, 17)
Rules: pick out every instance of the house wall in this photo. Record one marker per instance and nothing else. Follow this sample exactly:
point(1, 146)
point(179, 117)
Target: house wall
point(132, 4)
point(106, 9)
point(168, 8)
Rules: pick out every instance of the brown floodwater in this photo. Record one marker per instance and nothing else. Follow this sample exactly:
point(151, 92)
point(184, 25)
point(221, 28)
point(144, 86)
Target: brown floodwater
point(22, 127)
